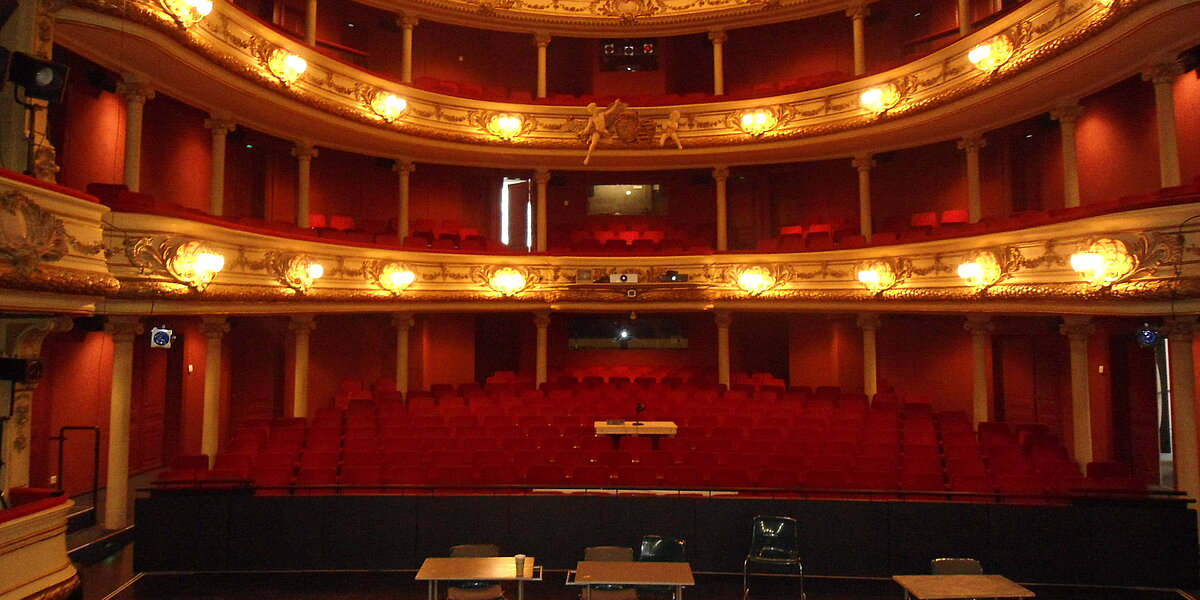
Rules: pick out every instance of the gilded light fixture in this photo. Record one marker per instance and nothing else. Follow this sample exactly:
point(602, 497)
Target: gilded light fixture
point(505, 126)
point(878, 276)
point(1103, 262)
point(880, 98)
point(187, 12)
point(387, 106)
point(393, 277)
point(757, 121)
point(756, 280)
point(285, 66)
point(992, 54)
point(507, 281)
point(194, 264)
point(298, 271)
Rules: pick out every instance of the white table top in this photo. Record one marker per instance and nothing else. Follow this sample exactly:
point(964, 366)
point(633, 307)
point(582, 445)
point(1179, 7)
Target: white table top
point(500, 568)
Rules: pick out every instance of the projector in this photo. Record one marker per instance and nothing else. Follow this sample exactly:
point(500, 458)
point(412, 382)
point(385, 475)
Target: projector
point(623, 278)
point(160, 337)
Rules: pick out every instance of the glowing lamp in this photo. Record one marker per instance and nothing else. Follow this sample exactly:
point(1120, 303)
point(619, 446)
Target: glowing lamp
point(188, 12)
point(388, 106)
point(981, 271)
point(286, 67)
point(869, 277)
point(506, 126)
point(393, 277)
point(756, 280)
point(507, 281)
point(880, 98)
point(195, 265)
point(878, 276)
point(758, 121)
point(1104, 262)
point(971, 272)
point(992, 54)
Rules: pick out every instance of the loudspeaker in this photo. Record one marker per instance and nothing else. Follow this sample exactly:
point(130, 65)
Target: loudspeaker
point(39, 78)
point(623, 278)
point(20, 370)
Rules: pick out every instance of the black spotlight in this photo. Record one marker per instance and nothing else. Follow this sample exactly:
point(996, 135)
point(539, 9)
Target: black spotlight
point(40, 79)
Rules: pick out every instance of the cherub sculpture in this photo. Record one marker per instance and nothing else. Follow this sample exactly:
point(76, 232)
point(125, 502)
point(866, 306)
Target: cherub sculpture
point(598, 123)
point(670, 131)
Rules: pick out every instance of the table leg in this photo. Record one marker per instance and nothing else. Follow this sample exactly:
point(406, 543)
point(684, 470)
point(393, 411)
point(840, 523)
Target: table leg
point(432, 590)
point(679, 592)
point(520, 589)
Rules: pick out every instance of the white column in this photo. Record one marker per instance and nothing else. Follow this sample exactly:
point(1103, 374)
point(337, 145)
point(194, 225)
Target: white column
point(858, 16)
point(718, 39)
point(1067, 117)
point(863, 164)
point(406, 48)
point(404, 323)
point(310, 23)
point(542, 178)
point(1180, 332)
point(724, 319)
point(404, 169)
point(302, 327)
point(542, 321)
point(220, 128)
point(964, 17)
point(981, 327)
point(971, 144)
point(1078, 329)
point(213, 327)
point(1163, 76)
point(869, 323)
point(721, 177)
point(304, 153)
point(136, 94)
point(123, 331)
point(541, 40)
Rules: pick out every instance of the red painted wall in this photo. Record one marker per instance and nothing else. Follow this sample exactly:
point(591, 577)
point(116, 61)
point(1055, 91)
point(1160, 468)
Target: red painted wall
point(257, 348)
point(453, 53)
point(691, 197)
point(89, 127)
point(701, 352)
point(813, 46)
point(825, 350)
point(176, 153)
point(447, 349)
point(358, 346)
point(1187, 124)
point(353, 185)
point(260, 180)
point(1118, 143)
point(902, 183)
point(465, 194)
point(928, 355)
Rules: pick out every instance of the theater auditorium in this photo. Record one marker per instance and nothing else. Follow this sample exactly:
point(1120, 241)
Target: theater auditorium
point(818, 290)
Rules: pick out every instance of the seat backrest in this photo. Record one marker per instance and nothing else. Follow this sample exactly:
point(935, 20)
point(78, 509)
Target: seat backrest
point(475, 551)
point(955, 566)
point(609, 553)
point(774, 532)
point(657, 548)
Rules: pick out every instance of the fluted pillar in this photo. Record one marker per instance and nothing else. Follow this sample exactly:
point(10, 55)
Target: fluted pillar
point(858, 16)
point(1180, 333)
point(869, 323)
point(971, 144)
point(542, 178)
point(304, 153)
point(1067, 117)
point(1163, 76)
point(214, 327)
point(1078, 329)
point(301, 327)
point(980, 326)
point(406, 47)
point(136, 94)
point(721, 177)
point(404, 323)
point(542, 321)
point(724, 319)
point(542, 41)
point(123, 330)
point(863, 164)
point(718, 39)
point(404, 169)
point(220, 129)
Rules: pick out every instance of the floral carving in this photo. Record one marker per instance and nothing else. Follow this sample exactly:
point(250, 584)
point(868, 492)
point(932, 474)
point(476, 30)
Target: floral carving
point(30, 235)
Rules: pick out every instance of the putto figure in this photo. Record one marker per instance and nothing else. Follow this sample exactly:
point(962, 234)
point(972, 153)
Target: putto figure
point(598, 124)
point(670, 131)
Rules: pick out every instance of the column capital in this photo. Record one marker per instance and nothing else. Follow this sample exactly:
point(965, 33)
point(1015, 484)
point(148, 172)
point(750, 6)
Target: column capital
point(541, 39)
point(720, 174)
point(1077, 327)
point(403, 321)
point(304, 151)
point(407, 22)
point(869, 321)
point(541, 175)
point(541, 319)
point(214, 326)
point(972, 142)
point(724, 318)
point(135, 91)
point(863, 162)
point(979, 324)
point(1180, 329)
point(123, 328)
point(302, 324)
point(1163, 73)
point(858, 11)
point(404, 166)
point(1067, 113)
point(718, 37)
point(220, 126)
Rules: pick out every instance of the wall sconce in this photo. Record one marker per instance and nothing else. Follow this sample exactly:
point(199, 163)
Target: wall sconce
point(195, 265)
point(1104, 262)
point(285, 66)
point(981, 270)
point(387, 106)
point(505, 126)
point(756, 280)
point(992, 54)
point(757, 121)
point(187, 12)
point(393, 277)
point(878, 276)
point(508, 281)
point(880, 98)
point(298, 272)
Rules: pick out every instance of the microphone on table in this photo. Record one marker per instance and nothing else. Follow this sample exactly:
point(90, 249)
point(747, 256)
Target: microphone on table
point(637, 418)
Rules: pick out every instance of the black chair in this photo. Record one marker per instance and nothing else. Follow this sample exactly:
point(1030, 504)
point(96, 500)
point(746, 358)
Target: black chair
point(474, 590)
point(773, 541)
point(612, 554)
point(657, 548)
point(955, 566)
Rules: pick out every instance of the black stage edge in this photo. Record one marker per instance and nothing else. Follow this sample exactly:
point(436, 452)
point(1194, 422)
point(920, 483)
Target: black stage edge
point(1127, 543)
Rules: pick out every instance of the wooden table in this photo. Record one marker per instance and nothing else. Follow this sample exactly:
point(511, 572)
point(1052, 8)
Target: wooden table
point(956, 587)
point(589, 573)
point(499, 568)
point(656, 429)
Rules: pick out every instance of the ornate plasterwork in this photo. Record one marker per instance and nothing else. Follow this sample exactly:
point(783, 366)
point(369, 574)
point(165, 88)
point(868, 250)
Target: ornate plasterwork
point(31, 235)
